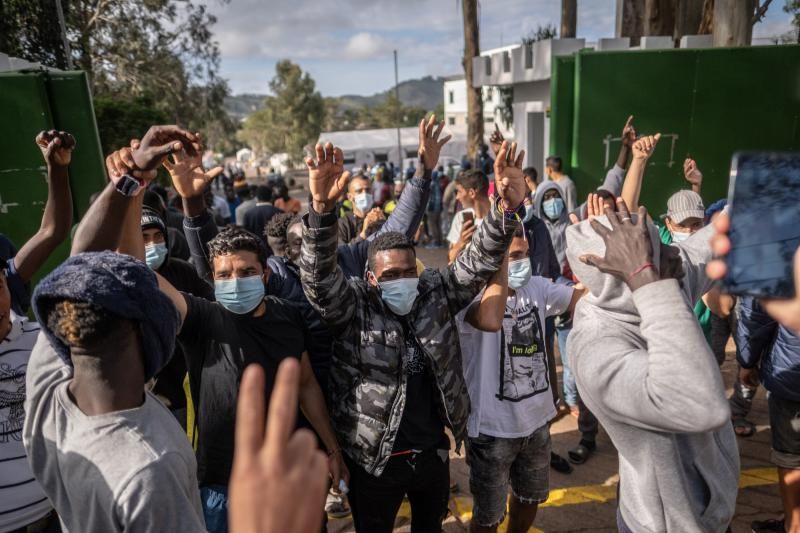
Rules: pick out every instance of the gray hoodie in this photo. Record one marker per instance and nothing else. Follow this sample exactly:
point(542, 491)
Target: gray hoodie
point(645, 370)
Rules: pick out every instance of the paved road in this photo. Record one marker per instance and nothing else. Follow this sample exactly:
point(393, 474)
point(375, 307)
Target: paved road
point(586, 499)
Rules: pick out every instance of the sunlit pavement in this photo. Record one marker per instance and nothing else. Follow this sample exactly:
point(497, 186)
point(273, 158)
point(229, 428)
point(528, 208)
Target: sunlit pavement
point(586, 499)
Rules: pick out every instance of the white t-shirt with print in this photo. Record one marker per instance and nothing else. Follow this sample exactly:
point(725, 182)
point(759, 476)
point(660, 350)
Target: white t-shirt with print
point(458, 222)
point(507, 371)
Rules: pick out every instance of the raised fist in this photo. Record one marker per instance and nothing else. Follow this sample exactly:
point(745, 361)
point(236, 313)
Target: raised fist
point(56, 147)
point(644, 147)
point(159, 142)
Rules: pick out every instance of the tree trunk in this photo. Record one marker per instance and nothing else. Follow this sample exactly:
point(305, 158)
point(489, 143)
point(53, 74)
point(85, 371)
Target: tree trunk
point(569, 18)
point(733, 22)
point(659, 17)
point(687, 18)
point(707, 18)
point(474, 97)
point(630, 16)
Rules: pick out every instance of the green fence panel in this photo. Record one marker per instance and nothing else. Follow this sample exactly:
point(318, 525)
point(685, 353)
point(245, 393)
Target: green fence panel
point(562, 92)
point(706, 103)
point(33, 101)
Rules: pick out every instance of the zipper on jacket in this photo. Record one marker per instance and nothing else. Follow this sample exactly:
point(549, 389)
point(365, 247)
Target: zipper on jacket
point(391, 415)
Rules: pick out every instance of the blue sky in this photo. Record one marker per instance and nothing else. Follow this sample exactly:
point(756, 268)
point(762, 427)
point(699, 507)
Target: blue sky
point(346, 45)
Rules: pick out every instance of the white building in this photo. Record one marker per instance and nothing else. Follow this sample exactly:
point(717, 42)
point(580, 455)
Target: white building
point(380, 146)
point(527, 69)
point(455, 106)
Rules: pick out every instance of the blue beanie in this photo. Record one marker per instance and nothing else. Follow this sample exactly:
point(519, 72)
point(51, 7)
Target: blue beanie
point(123, 286)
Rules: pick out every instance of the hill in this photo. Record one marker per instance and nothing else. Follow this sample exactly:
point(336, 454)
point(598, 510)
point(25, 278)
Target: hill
point(425, 93)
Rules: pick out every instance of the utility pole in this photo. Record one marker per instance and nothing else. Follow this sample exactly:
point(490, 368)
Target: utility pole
point(399, 110)
point(63, 26)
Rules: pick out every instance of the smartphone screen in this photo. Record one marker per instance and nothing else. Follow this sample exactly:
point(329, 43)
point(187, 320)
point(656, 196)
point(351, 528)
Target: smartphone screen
point(764, 199)
point(467, 215)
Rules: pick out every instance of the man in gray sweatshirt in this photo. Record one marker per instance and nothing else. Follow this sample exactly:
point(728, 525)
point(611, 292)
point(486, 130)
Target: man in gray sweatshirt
point(644, 369)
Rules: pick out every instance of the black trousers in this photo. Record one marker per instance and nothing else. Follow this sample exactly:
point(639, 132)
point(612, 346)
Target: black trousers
point(424, 477)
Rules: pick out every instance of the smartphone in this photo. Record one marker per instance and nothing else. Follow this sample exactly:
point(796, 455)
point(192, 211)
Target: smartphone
point(764, 200)
point(467, 216)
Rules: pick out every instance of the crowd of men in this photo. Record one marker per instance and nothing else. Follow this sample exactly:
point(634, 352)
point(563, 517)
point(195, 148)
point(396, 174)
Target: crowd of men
point(177, 351)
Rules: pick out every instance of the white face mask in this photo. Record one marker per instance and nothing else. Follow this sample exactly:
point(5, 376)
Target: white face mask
point(399, 294)
point(363, 201)
point(680, 236)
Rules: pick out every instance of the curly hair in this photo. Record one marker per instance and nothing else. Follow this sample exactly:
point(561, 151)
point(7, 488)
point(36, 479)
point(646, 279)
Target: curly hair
point(277, 225)
point(391, 240)
point(79, 323)
point(234, 239)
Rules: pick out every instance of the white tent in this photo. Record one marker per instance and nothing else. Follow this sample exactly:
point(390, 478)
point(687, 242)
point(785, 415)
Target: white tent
point(375, 146)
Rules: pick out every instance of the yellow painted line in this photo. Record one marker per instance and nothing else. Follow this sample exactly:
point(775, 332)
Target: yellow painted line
point(461, 506)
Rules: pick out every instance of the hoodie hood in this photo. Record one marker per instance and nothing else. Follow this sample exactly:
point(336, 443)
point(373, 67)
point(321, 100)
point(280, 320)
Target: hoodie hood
point(556, 228)
point(611, 294)
point(606, 291)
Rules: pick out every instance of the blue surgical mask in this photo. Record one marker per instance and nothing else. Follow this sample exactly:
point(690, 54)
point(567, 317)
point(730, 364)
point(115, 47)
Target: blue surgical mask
point(519, 273)
point(155, 254)
point(399, 294)
point(553, 208)
point(239, 295)
point(680, 236)
point(528, 213)
point(363, 201)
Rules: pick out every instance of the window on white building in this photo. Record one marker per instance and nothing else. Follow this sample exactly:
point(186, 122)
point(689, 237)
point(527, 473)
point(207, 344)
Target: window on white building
point(506, 62)
point(451, 96)
point(451, 121)
point(528, 55)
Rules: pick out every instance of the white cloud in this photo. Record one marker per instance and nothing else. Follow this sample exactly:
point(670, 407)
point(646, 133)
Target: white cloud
point(366, 46)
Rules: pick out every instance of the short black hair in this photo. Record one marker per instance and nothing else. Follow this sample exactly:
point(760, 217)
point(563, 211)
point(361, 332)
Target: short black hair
point(77, 323)
point(474, 179)
point(519, 232)
point(531, 173)
point(554, 162)
point(277, 225)
point(264, 193)
point(391, 240)
point(233, 239)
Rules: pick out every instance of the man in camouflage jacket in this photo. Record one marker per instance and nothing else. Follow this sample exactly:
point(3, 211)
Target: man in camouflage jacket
point(368, 381)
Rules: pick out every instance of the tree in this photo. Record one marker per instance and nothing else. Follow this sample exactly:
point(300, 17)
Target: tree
point(160, 51)
point(292, 116)
point(630, 20)
point(793, 8)
point(731, 21)
point(569, 18)
point(474, 96)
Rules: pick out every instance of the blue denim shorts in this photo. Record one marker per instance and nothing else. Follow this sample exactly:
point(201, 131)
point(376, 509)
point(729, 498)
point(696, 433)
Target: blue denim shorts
point(496, 461)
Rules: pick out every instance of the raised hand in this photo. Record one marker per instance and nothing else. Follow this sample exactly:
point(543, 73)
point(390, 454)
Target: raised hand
point(187, 173)
point(121, 163)
point(496, 140)
point(56, 147)
point(279, 477)
point(628, 133)
point(327, 177)
point(691, 173)
point(508, 178)
point(644, 147)
point(159, 142)
point(430, 146)
point(629, 252)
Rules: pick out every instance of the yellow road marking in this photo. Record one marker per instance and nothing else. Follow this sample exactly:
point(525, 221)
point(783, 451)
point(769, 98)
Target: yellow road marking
point(461, 506)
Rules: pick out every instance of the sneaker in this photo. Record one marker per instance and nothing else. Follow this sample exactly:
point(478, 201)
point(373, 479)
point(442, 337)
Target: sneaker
point(768, 526)
point(336, 505)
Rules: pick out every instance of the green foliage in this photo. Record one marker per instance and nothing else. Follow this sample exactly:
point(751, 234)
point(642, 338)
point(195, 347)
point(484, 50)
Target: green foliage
point(793, 8)
point(291, 117)
point(118, 119)
point(540, 34)
point(159, 51)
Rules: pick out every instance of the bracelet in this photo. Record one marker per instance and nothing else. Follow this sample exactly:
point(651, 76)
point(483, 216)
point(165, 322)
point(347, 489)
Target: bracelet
point(334, 451)
point(640, 270)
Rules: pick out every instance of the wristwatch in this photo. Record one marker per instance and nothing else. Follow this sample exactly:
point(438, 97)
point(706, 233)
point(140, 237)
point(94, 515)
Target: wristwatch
point(128, 186)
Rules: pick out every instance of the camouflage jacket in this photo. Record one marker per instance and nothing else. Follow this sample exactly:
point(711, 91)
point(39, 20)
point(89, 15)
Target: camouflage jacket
point(367, 387)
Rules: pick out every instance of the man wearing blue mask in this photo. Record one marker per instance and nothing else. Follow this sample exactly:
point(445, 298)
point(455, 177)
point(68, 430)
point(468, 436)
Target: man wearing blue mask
point(168, 383)
point(396, 380)
point(221, 338)
point(508, 371)
point(359, 193)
